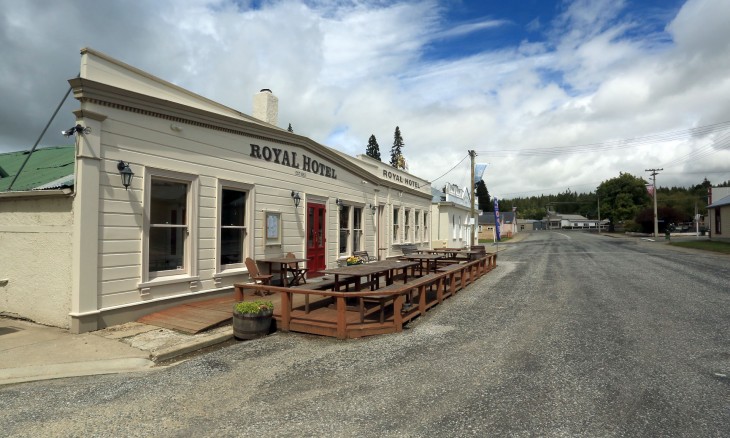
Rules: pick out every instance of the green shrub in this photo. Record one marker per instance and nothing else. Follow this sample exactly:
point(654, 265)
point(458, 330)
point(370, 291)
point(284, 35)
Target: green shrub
point(632, 226)
point(253, 307)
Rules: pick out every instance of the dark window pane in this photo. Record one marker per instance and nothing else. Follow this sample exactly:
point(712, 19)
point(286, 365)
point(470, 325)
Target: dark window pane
point(232, 207)
point(344, 216)
point(320, 228)
point(231, 246)
point(356, 241)
point(168, 201)
point(167, 248)
point(343, 241)
point(357, 218)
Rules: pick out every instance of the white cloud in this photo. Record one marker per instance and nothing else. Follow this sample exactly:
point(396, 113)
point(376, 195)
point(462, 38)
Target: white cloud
point(344, 70)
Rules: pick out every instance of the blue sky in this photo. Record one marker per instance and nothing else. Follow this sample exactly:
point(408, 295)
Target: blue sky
point(524, 83)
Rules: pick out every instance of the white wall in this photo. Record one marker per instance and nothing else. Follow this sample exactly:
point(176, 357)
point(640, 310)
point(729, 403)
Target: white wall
point(36, 238)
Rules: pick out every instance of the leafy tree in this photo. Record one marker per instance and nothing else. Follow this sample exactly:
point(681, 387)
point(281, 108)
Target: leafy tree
point(396, 152)
point(622, 198)
point(483, 198)
point(290, 129)
point(373, 149)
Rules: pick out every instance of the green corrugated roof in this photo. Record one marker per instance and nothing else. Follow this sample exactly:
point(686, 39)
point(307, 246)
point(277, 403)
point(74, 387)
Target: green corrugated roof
point(44, 166)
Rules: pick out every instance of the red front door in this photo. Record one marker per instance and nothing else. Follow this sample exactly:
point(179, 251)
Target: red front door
point(316, 241)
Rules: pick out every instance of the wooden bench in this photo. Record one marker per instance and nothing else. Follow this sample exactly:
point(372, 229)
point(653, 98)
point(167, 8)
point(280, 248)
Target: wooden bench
point(395, 287)
point(380, 300)
point(322, 285)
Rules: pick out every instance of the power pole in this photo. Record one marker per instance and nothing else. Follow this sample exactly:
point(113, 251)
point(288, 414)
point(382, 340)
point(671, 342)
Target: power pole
point(654, 173)
point(599, 212)
point(473, 155)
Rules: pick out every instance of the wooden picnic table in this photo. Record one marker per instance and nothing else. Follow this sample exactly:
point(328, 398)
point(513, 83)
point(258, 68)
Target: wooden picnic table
point(428, 259)
point(282, 263)
point(373, 271)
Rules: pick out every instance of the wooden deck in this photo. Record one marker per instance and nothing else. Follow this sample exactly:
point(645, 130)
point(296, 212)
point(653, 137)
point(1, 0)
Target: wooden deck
point(330, 313)
point(193, 317)
point(356, 314)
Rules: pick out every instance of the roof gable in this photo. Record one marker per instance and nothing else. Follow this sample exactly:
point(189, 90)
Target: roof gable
point(101, 68)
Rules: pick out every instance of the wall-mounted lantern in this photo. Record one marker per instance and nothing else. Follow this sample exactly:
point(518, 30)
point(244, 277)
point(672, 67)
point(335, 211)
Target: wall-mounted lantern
point(126, 174)
point(296, 197)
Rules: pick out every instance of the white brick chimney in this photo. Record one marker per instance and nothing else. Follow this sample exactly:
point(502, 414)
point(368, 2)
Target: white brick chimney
point(266, 106)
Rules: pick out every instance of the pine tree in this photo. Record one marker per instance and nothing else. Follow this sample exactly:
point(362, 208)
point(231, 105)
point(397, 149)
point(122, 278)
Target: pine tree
point(290, 129)
point(396, 152)
point(483, 196)
point(373, 149)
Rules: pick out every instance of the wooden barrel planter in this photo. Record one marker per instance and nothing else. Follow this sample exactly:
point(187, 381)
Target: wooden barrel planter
point(252, 325)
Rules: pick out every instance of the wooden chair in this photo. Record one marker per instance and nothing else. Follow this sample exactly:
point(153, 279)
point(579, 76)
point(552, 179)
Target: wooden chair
point(298, 274)
point(256, 276)
point(363, 255)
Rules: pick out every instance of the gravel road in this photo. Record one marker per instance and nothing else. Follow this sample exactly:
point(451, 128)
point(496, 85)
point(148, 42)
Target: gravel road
point(573, 334)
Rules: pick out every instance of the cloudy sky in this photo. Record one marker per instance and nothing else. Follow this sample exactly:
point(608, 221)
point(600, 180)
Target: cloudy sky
point(553, 95)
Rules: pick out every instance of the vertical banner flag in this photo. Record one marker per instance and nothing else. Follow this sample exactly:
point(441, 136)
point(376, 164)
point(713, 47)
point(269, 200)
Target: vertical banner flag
point(496, 218)
point(650, 189)
point(479, 171)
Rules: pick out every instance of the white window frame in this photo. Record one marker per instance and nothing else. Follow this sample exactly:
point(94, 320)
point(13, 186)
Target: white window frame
point(247, 225)
point(396, 224)
point(417, 225)
point(407, 224)
point(357, 233)
point(347, 226)
point(190, 259)
point(426, 235)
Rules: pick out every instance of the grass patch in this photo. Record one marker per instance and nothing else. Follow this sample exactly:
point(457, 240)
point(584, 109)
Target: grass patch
point(706, 245)
point(501, 240)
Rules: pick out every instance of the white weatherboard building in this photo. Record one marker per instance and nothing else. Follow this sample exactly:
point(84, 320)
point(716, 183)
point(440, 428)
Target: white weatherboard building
point(451, 212)
point(211, 186)
point(718, 212)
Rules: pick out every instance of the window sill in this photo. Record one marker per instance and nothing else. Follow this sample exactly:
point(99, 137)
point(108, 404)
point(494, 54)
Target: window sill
point(231, 272)
point(173, 279)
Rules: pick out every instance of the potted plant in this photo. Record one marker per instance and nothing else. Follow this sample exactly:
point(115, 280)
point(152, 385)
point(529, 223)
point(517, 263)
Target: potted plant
point(354, 260)
point(252, 319)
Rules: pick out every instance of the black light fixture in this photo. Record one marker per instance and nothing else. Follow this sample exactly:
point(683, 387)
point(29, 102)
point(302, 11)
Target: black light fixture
point(126, 174)
point(338, 201)
point(296, 197)
point(75, 130)
point(372, 208)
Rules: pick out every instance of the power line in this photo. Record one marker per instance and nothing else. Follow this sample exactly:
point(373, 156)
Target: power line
point(447, 172)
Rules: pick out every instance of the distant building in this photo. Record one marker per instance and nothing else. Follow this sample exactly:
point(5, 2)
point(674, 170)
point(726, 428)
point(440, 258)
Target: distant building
point(561, 221)
point(718, 213)
point(508, 225)
point(450, 212)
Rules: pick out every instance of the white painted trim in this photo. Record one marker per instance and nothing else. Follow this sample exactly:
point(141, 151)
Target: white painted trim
point(193, 213)
point(249, 223)
point(173, 279)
